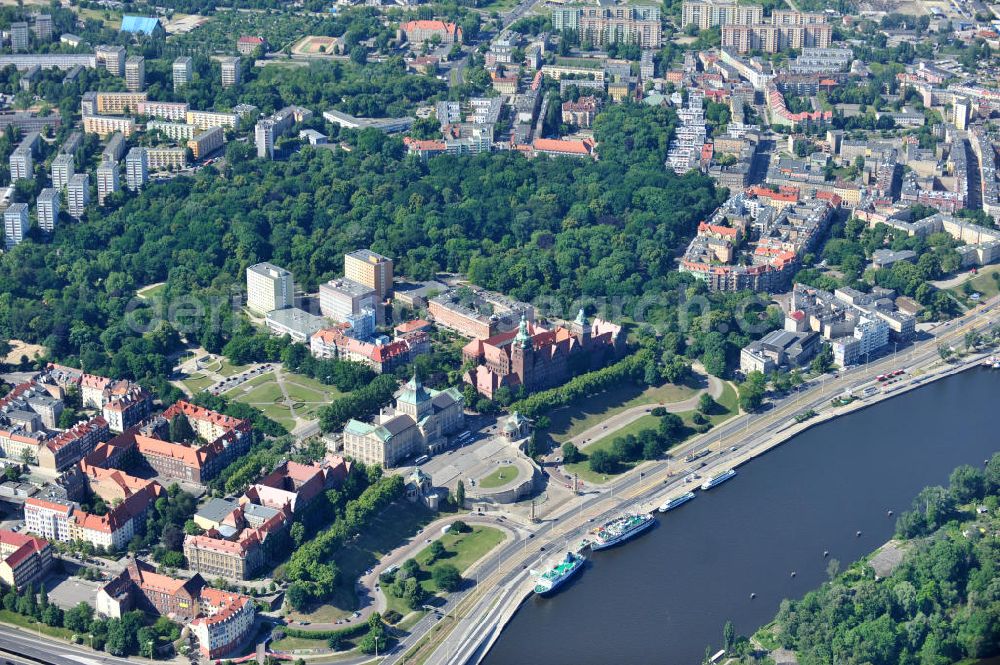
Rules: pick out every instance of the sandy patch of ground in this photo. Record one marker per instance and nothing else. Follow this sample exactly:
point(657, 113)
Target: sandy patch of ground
point(316, 45)
point(19, 349)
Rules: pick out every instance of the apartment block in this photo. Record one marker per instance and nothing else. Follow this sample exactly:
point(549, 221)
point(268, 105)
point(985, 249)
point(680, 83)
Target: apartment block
point(78, 194)
point(232, 71)
point(220, 620)
point(107, 181)
point(20, 36)
point(174, 111)
point(15, 224)
point(136, 169)
point(373, 270)
point(207, 119)
point(25, 559)
point(119, 103)
point(65, 522)
point(163, 158)
point(787, 30)
point(269, 288)
point(601, 26)
point(135, 73)
point(63, 168)
point(103, 125)
point(112, 58)
point(114, 149)
point(48, 203)
point(178, 131)
point(22, 165)
point(206, 142)
point(43, 27)
point(182, 71)
point(709, 13)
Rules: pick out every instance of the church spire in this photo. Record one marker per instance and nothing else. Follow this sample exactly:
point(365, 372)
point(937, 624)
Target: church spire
point(523, 338)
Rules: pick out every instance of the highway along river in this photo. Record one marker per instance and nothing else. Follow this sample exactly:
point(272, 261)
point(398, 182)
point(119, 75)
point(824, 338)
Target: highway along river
point(663, 597)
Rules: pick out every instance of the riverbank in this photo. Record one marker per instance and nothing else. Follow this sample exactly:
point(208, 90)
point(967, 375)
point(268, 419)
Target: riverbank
point(752, 444)
point(731, 553)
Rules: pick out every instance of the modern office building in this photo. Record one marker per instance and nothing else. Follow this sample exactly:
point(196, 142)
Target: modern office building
point(78, 194)
point(48, 203)
point(342, 298)
point(15, 224)
point(107, 180)
point(269, 288)
point(182, 72)
point(136, 169)
point(135, 73)
point(112, 58)
point(373, 270)
point(63, 168)
point(232, 71)
point(20, 37)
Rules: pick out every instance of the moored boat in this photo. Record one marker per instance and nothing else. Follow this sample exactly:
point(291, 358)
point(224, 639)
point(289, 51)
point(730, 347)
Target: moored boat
point(559, 574)
point(670, 504)
point(619, 530)
point(718, 479)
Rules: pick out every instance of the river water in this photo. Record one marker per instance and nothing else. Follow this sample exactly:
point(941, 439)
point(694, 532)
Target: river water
point(662, 598)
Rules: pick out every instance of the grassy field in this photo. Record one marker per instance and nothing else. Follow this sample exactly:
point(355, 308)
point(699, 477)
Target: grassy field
point(109, 18)
point(307, 396)
point(397, 523)
point(727, 407)
point(983, 283)
point(461, 550)
point(152, 291)
point(569, 421)
point(198, 382)
point(582, 469)
point(288, 643)
point(500, 477)
point(16, 619)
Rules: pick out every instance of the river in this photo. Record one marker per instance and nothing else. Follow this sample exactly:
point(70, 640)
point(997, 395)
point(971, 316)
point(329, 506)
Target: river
point(662, 598)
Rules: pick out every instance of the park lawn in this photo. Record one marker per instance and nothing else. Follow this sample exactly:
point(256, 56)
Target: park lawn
point(310, 383)
point(267, 393)
point(299, 393)
point(728, 407)
point(582, 468)
point(461, 550)
point(397, 523)
point(569, 421)
point(982, 283)
point(197, 382)
point(114, 20)
point(15, 619)
point(500, 477)
point(288, 643)
point(280, 413)
point(228, 369)
point(498, 6)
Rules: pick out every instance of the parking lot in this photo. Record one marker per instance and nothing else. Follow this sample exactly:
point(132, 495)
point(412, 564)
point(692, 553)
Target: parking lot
point(67, 591)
